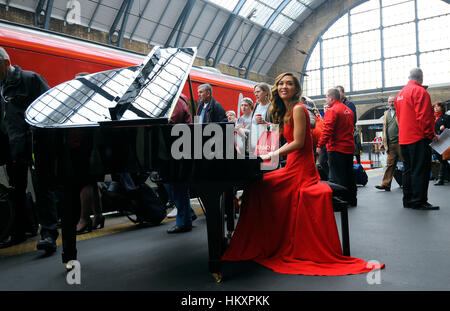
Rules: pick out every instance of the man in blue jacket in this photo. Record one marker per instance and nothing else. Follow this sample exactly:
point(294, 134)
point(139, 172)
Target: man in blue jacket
point(347, 102)
point(209, 110)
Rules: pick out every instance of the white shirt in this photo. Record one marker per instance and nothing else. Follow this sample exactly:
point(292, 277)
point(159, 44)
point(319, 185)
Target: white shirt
point(257, 129)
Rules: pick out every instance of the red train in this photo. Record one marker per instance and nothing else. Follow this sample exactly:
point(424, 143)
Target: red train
point(58, 58)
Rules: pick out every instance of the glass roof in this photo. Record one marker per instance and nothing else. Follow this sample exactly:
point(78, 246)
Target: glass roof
point(260, 11)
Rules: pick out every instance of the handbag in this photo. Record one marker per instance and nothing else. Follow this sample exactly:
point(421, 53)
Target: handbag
point(446, 154)
point(268, 141)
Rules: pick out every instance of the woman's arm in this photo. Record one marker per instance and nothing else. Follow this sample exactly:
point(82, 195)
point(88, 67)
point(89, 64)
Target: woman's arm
point(299, 117)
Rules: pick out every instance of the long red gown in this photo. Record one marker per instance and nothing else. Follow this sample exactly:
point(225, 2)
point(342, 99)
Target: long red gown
point(287, 221)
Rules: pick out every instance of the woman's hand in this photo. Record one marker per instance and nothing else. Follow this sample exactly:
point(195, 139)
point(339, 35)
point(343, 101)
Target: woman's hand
point(265, 157)
point(260, 120)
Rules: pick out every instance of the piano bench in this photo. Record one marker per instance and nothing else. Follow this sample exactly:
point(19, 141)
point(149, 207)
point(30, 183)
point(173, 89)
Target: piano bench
point(340, 205)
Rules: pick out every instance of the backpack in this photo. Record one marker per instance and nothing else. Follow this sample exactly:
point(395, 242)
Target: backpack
point(360, 174)
point(140, 203)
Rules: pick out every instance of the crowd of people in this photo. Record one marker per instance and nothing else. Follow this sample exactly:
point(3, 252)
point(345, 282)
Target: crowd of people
point(290, 200)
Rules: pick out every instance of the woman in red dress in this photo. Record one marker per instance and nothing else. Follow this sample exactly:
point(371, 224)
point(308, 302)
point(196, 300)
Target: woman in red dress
point(287, 222)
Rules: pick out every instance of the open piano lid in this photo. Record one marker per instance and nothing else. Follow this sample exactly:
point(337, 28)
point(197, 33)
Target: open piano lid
point(140, 94)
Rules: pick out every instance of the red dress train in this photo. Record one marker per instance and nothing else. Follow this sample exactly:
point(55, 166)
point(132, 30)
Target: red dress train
point(287, 221)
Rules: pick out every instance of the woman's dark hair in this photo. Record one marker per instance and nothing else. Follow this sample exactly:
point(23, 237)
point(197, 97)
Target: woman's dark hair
point(442, 105)
point(278, 111)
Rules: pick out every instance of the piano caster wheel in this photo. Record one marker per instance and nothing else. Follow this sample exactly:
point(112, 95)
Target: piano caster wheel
point(217, 277)
point(69, 267)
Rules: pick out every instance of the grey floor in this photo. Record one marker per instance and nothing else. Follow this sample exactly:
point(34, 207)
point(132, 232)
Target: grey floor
point(414, 245)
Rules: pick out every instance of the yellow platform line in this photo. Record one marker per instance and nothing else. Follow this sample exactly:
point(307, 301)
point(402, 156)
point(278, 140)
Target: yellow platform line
point(30, 246)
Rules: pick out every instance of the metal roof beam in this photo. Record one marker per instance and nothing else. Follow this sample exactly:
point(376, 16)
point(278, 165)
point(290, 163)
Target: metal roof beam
point(219, 57)
point(139, 19)
point(222, 35)
point(268, 56)
point(244, 40)
point(124, 10)
point(305, 5)
point(181, 22)
point(37, 13)
point(207, 30)
point(257, 41)
point(263, 46)
point(159, 22)
point(47, 13)
point(276, 13)
point(252, 49)
point(93, 15)
point(224, 32)
point(194, 24)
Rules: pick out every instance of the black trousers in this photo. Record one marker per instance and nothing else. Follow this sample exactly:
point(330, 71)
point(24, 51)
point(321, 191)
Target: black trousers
point(323, 161)
point(18, 179)
point(47, 198)
point(416, 172)
point(341, 172)
point(443, 168)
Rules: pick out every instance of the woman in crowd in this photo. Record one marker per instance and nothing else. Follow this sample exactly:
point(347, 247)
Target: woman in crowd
point(246, 109)
point(90, 204)
point(295, 231)
point(442, 121)
point(317, 131)
point(260, 116)
point(243, 124)
point(231, 116)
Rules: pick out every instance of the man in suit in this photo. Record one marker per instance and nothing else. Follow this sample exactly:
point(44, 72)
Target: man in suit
point(390, 144)
point(209, 110)
point(416, 130)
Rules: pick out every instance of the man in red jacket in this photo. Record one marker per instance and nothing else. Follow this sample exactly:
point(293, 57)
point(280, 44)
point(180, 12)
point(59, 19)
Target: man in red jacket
point(180, 191)
point(337, 134)
point(416, 131)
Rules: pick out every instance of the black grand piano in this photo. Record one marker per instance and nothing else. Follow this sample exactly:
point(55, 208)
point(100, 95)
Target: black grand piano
point(117, 121)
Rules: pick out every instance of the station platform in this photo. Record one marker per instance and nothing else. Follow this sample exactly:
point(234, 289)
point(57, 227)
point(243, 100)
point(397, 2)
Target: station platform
point(414, 245)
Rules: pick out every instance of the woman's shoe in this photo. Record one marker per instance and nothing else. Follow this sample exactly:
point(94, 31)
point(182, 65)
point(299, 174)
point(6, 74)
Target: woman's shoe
point(87, 227)
point(99, 222)
point(439, 182)
point(176, 229)
point(173, 213)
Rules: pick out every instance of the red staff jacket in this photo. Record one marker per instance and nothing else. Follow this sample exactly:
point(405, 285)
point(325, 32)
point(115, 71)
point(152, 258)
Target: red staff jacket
point(414, 114)
point(338, 129)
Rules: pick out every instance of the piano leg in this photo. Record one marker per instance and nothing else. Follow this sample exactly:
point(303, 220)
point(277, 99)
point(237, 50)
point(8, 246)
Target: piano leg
point(70, 215)
point(345, 232)
point(214, 205)
point(229, 211)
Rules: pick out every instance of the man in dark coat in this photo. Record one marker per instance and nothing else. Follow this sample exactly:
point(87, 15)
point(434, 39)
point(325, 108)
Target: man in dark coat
point(19, 88)
point(209, 110)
